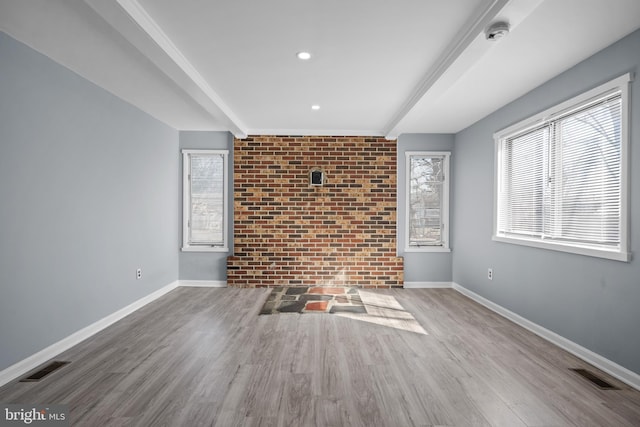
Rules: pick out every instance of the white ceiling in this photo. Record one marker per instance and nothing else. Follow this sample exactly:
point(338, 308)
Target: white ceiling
point(378, 67)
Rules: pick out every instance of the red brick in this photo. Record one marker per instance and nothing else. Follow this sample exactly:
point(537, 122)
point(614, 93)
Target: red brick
point(315, 235)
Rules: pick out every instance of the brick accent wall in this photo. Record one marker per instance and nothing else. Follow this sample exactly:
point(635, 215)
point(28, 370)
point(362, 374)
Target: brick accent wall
point(288, 233)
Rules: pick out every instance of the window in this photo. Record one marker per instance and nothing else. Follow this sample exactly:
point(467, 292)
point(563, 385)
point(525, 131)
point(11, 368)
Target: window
point(561, 176)
point(427, 207)
point(205, 200)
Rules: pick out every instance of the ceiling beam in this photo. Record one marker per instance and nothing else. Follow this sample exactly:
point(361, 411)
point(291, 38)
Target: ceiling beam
point(472, 28)
point(133, 22)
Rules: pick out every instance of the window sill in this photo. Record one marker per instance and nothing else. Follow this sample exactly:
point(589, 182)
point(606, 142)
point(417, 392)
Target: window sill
point(426, 249)
point(204, 249)
point(579, 250)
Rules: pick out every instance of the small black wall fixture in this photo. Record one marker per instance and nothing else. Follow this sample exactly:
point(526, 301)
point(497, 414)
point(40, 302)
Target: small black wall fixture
point(316, 177)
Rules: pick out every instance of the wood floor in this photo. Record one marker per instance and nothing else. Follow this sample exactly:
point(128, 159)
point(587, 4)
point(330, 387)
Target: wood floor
point(201, 356)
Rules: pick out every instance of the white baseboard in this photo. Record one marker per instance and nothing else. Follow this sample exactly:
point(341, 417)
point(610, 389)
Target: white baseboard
point(620, 372)
point(204, 283)
point(18, 369)
point(427, 285)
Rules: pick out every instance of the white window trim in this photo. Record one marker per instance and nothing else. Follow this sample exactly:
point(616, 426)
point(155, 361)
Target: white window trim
point(186, 202)
point(444, 247)
point(620, 83)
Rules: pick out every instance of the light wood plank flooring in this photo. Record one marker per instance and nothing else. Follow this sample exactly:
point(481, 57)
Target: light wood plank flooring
point(203, 357)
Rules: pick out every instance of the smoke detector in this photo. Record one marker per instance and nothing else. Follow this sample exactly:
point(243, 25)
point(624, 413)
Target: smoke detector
point(497, 31)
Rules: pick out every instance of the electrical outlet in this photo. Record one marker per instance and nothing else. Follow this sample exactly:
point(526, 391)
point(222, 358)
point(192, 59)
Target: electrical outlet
point(139, 274)
point(490, 274)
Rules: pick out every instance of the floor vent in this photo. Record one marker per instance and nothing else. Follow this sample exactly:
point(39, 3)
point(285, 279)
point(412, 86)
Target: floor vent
point(594, 379)
point(43, 372)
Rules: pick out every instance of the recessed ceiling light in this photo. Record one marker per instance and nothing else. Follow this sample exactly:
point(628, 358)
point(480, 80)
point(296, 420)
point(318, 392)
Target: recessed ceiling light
point(303, 55)
point(315, 107)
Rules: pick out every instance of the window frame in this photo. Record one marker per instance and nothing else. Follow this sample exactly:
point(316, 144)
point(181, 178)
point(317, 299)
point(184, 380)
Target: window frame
point(444, 214)
point(622, 253)
point(187, 245)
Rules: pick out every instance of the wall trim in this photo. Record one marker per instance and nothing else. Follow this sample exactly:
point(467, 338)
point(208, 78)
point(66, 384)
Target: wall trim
point(427, 285)
point(203, 283)
point(22, 367)
point(620, 372)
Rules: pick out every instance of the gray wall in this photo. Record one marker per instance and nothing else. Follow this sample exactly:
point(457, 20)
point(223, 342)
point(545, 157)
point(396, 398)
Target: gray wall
point(207, 265)
point(422, 266)
point(88, 193)
point(591, 301)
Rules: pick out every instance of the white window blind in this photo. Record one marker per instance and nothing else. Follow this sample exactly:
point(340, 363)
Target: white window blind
point(523, 183)
point(205, 202)
point(561, 180)
point(428, 197)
